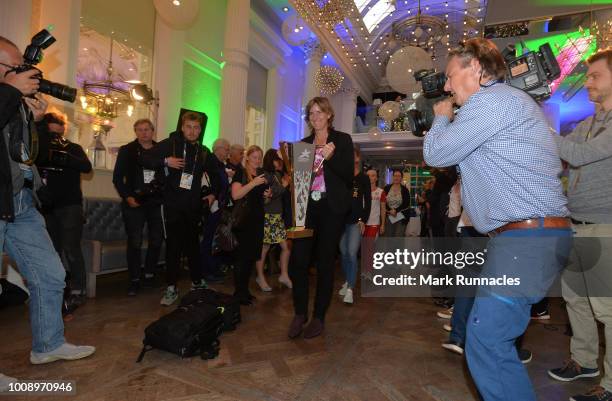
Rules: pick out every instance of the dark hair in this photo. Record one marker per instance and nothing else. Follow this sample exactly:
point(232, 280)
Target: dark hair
point(54, 118)
point(604, 54)
point(144, 121)
point(486, 53)
point(191, 116)
point(325, 107)
point(269, 158)
point(396, 170)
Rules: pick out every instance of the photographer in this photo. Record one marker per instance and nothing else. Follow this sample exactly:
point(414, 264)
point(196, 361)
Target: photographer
point(510, 189)
point(186, 161)
point(22, 228)
point(61, 163)
point(588, 150)
point(140, 191)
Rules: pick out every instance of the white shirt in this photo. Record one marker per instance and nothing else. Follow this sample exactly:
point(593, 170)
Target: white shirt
point(378, 196)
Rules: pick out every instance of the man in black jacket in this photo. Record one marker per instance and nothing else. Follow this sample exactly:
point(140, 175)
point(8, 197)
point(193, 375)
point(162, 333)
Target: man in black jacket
point(140, 189)
point(22, 229)
point(61, 167)
point(185, 161)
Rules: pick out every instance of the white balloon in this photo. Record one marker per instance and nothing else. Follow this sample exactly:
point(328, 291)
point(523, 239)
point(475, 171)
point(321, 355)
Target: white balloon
point(407, 58)
point(389, 110)
point(374, 133)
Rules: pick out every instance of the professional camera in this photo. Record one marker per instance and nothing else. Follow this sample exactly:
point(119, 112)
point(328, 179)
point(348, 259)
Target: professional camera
point(32, 56)
point(532, 71)
point(421, 118)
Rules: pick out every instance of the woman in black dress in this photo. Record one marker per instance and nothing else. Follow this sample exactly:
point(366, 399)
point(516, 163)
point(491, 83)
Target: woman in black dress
point(250, 186)
point(329, 204)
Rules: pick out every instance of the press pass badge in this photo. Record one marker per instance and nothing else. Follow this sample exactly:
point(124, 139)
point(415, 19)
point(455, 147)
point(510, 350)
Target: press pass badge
point(148, 175)
point(186, 180)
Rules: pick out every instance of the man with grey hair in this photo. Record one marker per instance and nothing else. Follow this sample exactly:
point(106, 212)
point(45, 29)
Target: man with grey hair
point(22, 228)
point(236, 157)
point(210, 262)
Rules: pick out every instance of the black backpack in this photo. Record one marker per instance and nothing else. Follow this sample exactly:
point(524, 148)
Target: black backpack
point(187, 331)
point(229, 303)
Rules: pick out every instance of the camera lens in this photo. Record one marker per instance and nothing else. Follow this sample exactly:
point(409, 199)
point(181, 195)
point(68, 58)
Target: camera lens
point(59, 91)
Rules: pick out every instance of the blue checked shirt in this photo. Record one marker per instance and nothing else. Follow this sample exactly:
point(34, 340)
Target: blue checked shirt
point(507, 156)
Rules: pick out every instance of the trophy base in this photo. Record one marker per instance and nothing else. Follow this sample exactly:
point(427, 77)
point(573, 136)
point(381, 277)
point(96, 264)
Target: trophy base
point(299, 232)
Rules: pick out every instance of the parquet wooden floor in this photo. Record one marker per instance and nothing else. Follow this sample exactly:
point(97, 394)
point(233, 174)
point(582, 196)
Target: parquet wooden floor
point(377, 349)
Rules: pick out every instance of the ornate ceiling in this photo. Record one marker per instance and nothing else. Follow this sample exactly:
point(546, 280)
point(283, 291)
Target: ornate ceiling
point(363, 35)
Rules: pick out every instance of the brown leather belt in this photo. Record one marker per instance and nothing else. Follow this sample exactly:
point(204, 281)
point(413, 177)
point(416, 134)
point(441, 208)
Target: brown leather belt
point(549, 222)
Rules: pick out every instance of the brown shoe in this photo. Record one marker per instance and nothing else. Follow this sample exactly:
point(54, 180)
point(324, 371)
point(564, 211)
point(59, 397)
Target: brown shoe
point(314, 328)
point(295, 329)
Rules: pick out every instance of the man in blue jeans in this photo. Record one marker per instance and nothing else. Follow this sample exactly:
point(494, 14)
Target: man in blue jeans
point(510, 190)
point(22, 228)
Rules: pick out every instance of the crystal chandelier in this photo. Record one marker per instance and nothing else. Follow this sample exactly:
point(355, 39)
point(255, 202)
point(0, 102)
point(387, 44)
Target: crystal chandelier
point(328, 79)
point(602, 33)
point(106, 100)
point(324, 12)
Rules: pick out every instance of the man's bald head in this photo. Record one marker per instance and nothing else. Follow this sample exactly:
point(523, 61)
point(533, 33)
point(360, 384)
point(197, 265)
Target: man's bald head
point(10, 55)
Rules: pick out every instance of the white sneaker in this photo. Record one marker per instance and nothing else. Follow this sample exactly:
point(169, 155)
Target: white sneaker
point(66, 351)
point(348, 297)
point(342, 291)
point(447, 327)
point(5, 381)
point(170, 296)
point(446, 313)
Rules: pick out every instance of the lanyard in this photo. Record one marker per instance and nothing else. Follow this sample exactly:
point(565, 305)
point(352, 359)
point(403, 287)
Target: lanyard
point(195, 158)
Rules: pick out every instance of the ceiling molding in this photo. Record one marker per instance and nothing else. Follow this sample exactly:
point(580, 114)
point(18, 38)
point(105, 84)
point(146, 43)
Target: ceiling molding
point(265, 45)
point(358, 78)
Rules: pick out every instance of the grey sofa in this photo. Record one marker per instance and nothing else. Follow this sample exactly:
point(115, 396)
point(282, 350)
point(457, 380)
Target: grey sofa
point(104, 240)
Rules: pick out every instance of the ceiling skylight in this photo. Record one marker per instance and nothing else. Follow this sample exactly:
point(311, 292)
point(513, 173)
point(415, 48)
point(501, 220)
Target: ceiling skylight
point(377, 13)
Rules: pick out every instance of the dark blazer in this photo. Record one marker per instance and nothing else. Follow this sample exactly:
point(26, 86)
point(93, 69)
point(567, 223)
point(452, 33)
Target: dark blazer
point(128, 174)
point(338, 171)
point(10, 99)
point(405, 205)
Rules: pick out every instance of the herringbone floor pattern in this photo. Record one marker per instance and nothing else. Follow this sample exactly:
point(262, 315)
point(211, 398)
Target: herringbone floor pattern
point(377, 349)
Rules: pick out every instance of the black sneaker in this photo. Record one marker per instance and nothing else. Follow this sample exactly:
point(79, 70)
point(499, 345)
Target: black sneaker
point(525, 355)
point(597, 393)
point(198, 285)
point(571, 371)
point(133, 288)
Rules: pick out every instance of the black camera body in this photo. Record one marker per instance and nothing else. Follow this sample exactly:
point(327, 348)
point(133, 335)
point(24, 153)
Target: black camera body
point(432, 83)
point(58, 151)
point(532, 71)
point(32, 56)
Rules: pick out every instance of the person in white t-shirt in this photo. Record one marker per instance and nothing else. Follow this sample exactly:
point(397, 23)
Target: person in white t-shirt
point(376, 222)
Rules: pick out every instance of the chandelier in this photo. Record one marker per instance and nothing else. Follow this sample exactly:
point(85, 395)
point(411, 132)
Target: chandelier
point(324, 12)
point(106, 99)
point(328, 79)
point(602, 33)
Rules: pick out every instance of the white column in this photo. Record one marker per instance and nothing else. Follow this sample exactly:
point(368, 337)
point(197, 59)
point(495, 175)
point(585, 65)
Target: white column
point(235, 71)
point(272, 107)
point(60, 60)
point(314, 53)
point(168, 58)
point(15, 21)
point(345, 117)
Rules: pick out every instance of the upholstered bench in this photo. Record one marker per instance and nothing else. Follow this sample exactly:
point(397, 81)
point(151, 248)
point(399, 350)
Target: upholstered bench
point(104, 240)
